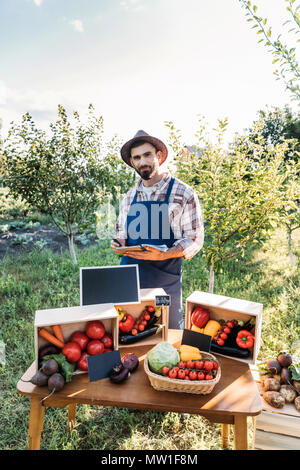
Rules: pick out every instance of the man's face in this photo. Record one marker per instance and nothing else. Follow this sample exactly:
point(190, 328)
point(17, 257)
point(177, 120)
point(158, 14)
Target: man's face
point(145, 160)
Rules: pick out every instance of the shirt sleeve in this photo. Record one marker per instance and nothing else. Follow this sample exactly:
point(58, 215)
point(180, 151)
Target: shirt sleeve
point(191, 227)
point(121, 231)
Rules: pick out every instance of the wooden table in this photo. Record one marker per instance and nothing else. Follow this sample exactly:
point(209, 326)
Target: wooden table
point(232, 400)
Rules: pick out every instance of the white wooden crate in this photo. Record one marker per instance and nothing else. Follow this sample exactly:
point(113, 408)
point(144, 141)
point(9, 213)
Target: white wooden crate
point(73, 319)
point(228, 308)
point(276, 429)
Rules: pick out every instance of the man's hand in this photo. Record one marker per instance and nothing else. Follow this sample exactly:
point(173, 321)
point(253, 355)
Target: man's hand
point(154, 255)
point(115, 245)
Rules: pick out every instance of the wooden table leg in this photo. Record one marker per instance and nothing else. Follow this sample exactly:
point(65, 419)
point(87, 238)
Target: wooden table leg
point(36, 423)
point(240, 432)
point(225, 429)
point(71, 416)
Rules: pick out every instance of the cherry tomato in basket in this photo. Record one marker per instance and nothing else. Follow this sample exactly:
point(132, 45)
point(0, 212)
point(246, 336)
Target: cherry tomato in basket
point(173, 373)
point(181, 374)
point(208, 365)
point(199, 365)
point(193, 375)
point(182, 364)
point(190, 364)
point(215, 365)
point(187, 371)
point(165, 370)
point(201, 375)
point(209, 376)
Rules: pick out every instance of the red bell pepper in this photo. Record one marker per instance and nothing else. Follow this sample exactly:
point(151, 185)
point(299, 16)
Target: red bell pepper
point(200, 317)
point(127, 322)
point(245, 339)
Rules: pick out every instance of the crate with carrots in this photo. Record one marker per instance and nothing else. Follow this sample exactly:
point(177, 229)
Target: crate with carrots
point(76, 333)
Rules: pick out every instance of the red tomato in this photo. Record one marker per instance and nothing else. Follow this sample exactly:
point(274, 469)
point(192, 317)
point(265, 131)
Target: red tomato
point(72, 352)
point(223, 336)
point(199, 365)
point(209, 377)
point(150, 308)
point(95, 329)
point(227, 330)
point(107, 350)
point(230, 324)
point(141, 327)
point(215, 365)
point(190, 364)
point(201, 375)
point(95, 347)
point(83, 363)
point(187, 371)
point(221, 342)
point(134, 331)
point(187, 377)
point(193, 375)
point(181, 374)
point(182, 364)
point(107, 340)
point(80, 338)
point(173, 373)
point(200, 317)
point(147, 316)
point(208, 365)
point(165, 370)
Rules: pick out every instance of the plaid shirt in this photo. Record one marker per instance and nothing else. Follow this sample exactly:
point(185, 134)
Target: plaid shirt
point(185, 214)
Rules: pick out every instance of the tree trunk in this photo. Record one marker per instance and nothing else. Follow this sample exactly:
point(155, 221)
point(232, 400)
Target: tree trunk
point(211, 279)
point(71, 244)
point(290, 245)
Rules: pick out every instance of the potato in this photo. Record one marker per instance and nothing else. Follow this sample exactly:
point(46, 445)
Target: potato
point(288, 393)
point(271, 385)
point(296, 384)
point(274, 399)
point(297, 403)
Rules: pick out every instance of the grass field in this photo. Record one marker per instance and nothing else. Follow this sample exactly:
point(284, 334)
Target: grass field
point(42, 279)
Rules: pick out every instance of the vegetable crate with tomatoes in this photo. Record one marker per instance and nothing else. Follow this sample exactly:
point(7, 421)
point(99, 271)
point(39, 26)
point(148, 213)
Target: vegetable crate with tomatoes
point(143, 324)
point(233, 324)
point(75, 333)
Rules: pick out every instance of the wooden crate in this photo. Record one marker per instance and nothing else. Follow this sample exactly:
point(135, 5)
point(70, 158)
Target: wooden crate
point(147, 297)
point(72, 319)
point(276, 429)
point(228, 308)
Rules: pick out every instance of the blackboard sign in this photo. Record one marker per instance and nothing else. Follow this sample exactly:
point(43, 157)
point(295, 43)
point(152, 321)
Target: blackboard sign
point(162, 300)
point(100, 365)
point(110, 284)
point(199, 340)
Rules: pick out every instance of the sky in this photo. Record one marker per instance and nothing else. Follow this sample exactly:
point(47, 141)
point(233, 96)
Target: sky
point(139, 62)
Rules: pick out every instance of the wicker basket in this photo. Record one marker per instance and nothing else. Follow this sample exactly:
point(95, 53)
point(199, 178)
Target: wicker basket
point(201, 387)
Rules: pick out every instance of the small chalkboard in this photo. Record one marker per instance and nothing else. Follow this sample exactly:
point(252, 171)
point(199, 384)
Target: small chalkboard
point(199, 340)
point(100, 365)
point(110, 284)
point(162, 300)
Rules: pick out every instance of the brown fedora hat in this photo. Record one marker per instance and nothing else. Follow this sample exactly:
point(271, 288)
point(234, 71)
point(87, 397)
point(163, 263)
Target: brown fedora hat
point(143, 136)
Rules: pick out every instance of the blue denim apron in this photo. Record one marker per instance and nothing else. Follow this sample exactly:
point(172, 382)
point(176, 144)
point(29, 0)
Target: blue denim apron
point(166, 274)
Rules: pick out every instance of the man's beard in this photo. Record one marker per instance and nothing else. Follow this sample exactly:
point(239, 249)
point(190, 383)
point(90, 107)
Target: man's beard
point(146, 173)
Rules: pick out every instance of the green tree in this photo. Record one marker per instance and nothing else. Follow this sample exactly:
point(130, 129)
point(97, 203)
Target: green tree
point(237, 209)
point(284, 56)
point(63, 175)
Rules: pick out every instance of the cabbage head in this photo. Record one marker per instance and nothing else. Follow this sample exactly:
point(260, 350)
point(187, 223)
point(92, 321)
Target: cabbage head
point(163, 354)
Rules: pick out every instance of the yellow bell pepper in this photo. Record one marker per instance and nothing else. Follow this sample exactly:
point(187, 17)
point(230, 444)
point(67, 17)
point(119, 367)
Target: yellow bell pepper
point(120, 311)
point(211, 328)
point(189, 353)
point(197, 329)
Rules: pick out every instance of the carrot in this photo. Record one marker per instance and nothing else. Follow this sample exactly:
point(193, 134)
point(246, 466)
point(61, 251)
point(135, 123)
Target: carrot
point(58, 333)
point(49, 337)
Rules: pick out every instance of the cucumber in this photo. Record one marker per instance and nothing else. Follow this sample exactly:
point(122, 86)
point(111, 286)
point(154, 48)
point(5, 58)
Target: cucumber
point(129, 339)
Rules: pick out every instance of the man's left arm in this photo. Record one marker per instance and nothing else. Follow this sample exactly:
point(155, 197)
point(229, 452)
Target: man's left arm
point(191, 228)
